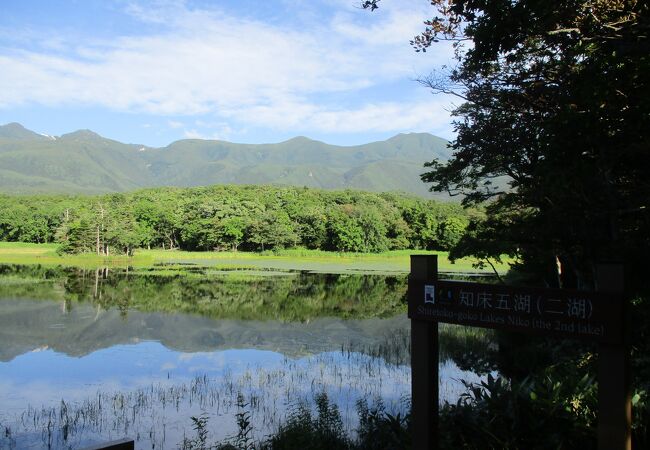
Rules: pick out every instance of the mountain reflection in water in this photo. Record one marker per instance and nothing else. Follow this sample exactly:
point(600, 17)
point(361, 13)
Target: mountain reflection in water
point(137, 354)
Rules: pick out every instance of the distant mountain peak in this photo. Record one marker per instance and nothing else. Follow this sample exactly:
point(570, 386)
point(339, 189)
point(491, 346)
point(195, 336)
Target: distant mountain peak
point(84, 161)
point(14, 126)
point(16, 131)
point(413, 135)
point(82, 134)
point(300, 138)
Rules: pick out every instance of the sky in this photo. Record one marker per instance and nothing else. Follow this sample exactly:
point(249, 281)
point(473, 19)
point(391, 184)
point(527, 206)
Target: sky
point(152, 72)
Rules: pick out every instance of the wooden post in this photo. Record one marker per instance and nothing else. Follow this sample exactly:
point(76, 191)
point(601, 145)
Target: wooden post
point(614, 395)
point(424, 365)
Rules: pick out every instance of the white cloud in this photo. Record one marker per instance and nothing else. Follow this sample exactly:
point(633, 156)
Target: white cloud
point(194, 134)
point(205, 61)
point(430, 114)
point(219, 131)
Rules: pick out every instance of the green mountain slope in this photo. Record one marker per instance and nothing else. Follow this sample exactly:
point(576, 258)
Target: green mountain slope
point(84, 162)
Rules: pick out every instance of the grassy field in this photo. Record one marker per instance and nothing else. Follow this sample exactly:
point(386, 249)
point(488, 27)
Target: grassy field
point(294, 259)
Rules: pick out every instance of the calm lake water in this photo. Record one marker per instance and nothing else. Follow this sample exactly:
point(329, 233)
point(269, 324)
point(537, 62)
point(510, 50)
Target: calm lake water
point(91, 356)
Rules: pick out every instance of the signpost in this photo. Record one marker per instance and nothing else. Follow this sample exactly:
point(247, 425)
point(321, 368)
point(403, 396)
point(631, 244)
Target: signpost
point(595, 316)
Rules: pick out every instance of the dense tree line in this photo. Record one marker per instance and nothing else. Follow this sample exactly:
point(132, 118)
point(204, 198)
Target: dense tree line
point(250, 218)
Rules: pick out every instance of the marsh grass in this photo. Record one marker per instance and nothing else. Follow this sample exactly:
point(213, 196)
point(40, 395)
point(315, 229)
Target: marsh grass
point(160, 415)
point(260, 400)
point(457, 343)
point(287, 259)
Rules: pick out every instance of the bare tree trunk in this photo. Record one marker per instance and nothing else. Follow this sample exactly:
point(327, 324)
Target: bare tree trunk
point(101, 212)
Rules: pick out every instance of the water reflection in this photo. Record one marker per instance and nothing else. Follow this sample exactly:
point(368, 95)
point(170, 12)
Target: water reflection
point(209, 292)
point(28, 325)
point(149, 392)
point(89, 356)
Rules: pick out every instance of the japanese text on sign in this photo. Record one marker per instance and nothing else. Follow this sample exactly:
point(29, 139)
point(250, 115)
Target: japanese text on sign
point(579, 314)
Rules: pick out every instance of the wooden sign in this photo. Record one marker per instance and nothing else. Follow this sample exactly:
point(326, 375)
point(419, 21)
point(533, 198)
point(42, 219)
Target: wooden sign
point(562, 313)
point(596, 316)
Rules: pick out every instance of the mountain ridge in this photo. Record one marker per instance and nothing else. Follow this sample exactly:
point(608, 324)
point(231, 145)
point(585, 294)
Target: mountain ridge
point(86, 162)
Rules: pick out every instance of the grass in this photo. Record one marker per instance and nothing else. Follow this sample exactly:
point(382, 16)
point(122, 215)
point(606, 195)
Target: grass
point(45, 254)
point(291, 259)
point(158, 413)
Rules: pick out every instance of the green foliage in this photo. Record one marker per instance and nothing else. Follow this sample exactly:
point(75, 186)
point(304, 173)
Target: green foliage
point(345, 233)
point(553, 132)
point(450, 232)
point(302, 430)
point(380, 430)
point(200, 442)
point(230, 232)
point(640, 342)
point(255, 218)
point(297, 297)
point(243, 440)
point(538, 412)
point(554, 107)
point(272, 229)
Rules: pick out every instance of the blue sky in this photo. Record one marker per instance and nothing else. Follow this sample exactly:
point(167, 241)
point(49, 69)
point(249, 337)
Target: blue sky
point(152, 72)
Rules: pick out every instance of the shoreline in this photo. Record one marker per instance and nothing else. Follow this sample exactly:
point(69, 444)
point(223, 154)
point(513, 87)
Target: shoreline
point(397, 261)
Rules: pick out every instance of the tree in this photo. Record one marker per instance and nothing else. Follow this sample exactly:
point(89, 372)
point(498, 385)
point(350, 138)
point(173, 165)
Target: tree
point(555, 107)
point(312, 223)
point(372, 223)
point(450, 232)
point(273, 229)
point(78, 232)
point(554, 133)
point(230, 231)
point(220, 217)
point(344, 232)
point(123, 233)
point(421, 218)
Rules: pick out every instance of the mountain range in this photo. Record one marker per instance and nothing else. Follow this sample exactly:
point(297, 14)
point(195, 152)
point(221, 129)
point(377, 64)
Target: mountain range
point(84, 162)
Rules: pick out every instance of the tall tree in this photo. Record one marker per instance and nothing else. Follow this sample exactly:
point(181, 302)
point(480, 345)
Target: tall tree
point(554, 133)
point(555, 106)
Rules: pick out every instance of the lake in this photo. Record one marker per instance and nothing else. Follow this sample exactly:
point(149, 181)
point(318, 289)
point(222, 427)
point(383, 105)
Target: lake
point(88, 356)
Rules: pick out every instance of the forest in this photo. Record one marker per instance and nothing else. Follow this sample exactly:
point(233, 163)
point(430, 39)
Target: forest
point(229, 217)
